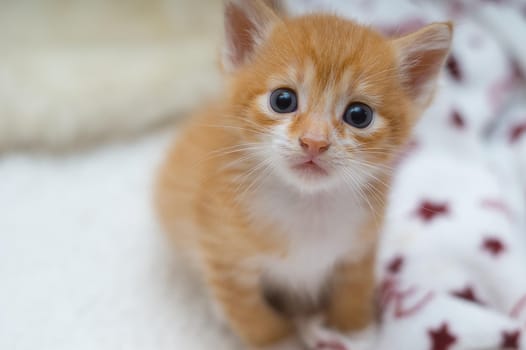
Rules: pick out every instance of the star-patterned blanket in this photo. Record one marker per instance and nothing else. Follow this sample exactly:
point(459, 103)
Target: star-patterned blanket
point(452, 266)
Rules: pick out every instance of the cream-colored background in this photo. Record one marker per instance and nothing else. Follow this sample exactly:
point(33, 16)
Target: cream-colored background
point(77, 71)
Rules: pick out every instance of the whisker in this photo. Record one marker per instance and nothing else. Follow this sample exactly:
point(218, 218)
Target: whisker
point(261, 165)
point(358, 164)
point(238, 161)
point(373, 166)
point(362, 195)
point(264, 173)
point(228, 151)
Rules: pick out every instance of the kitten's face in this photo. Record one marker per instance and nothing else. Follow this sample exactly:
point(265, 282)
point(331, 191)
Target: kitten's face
point(326, 112)
point(324, 102)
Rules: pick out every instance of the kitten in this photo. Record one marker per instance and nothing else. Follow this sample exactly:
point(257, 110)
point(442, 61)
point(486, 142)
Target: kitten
point(277, 192)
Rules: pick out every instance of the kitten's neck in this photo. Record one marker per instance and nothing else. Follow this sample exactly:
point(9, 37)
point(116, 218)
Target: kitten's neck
point(327, 226)
point(288, 206)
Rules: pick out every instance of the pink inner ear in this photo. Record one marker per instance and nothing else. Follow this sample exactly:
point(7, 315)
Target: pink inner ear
point(424, 69)
point(238, 34)
point(422, 56)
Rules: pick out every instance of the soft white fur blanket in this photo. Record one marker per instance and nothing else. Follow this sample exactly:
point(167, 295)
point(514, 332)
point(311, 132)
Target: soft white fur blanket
point(82, 262)
point(84, 266)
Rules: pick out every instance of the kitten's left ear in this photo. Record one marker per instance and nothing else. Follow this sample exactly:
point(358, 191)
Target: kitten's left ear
point(247, 24)
point(421, 56)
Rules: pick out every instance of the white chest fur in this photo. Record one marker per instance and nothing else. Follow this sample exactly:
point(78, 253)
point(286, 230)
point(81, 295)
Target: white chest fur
point(321, 229)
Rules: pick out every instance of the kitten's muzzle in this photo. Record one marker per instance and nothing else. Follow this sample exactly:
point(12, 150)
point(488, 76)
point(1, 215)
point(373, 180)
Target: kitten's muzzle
point(314, 146)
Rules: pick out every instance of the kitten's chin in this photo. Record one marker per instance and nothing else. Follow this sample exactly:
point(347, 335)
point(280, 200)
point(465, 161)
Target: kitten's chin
point(308, 177)
point(310, 170)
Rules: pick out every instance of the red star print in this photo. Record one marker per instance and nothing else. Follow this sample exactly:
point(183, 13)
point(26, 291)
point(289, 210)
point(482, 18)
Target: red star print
point(467, 294)
point(516, 132)
point(386, 291)
point(494, 246)
point(453, 68)
point(457, 8)
point(405, 302)
point(441, 339)
point(457, 120)
point(429, 210)
point(497, 205)
point(516, 69)
point(402, 310)
point(395, 266)
point(519, 308)
point(510, 340)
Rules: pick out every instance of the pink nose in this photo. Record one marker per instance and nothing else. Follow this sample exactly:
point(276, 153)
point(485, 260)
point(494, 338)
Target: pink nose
point(314, 146)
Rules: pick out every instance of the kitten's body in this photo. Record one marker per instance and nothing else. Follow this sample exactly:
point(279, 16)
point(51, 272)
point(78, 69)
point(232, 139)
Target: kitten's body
point(276, 239)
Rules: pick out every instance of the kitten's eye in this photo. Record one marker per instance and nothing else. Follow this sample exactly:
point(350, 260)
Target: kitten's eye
point(358, 115)
point(283, 101)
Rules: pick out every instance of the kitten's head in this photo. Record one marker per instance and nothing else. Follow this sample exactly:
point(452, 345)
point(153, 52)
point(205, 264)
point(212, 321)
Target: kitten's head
point(323, 101)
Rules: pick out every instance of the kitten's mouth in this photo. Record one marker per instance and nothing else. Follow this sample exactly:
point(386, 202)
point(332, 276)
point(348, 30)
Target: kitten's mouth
point(310, 167)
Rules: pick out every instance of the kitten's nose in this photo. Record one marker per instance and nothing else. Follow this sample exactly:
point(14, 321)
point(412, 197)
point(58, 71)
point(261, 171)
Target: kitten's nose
point(314, 146)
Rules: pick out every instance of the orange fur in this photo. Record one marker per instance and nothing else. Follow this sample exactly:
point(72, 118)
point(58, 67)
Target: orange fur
point(218, 168)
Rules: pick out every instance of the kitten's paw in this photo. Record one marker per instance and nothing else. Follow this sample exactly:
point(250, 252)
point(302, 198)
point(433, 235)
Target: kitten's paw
point(317, 336)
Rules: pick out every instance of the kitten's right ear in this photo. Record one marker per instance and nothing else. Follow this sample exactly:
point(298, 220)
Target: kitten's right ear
point(247, 25)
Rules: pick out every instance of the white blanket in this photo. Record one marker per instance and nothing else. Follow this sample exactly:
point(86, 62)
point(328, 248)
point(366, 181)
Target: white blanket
point(83, 264)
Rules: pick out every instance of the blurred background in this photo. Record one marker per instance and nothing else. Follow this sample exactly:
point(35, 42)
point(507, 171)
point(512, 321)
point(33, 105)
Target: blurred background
point(74, 71)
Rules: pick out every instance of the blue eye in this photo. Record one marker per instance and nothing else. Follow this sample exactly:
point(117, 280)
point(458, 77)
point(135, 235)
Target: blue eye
point(358, 115)
point(283, 101)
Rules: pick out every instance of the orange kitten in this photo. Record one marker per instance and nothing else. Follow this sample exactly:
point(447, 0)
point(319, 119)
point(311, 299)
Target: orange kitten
point(278, 191)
